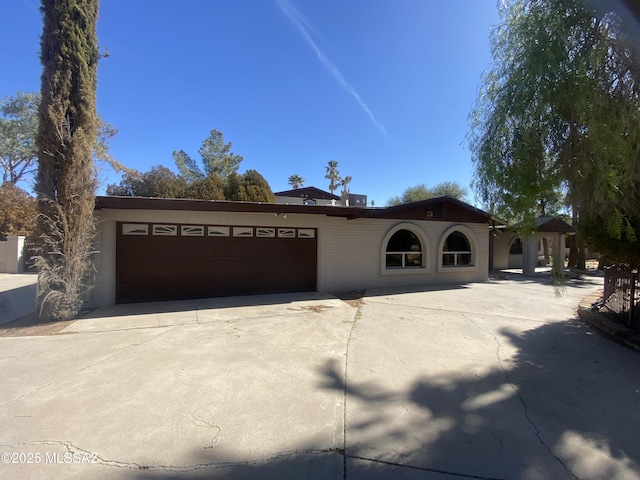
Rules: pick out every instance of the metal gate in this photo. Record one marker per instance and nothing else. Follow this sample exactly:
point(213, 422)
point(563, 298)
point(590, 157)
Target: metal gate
point(621, 293)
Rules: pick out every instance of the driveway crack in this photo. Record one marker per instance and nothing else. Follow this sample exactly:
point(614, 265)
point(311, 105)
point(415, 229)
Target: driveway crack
point(94, 458)
point(423, 469)
point(345, 379)
point(522, 400)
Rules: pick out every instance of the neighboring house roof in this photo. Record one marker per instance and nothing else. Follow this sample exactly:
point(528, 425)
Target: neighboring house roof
point(441, 208)
point(308, 192)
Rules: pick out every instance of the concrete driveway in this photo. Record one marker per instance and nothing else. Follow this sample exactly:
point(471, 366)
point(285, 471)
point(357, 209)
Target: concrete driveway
point(483, 381)
point(17, 295)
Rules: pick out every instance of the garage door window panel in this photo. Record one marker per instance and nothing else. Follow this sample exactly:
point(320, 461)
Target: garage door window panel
point(135, 229)
point(192, 231)
point(168, 230)
point(218, 231)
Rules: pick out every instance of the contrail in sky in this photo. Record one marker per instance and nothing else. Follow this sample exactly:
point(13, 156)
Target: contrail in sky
point(304, 27)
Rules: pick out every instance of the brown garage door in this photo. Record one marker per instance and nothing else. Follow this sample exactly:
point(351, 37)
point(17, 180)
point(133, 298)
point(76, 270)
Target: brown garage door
point(170, 262)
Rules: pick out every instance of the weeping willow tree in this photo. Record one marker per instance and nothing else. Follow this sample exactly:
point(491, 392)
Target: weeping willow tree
point(558, 120)
point(66, 178)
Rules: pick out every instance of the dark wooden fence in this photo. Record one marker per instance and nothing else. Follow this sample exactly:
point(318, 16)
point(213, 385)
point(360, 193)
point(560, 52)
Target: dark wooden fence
point(621, 293)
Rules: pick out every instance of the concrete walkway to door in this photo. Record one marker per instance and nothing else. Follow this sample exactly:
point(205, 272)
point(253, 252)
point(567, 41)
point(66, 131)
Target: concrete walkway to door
point(484, 381)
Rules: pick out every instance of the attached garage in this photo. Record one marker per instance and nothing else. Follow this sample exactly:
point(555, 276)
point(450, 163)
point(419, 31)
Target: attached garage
point(177, 261)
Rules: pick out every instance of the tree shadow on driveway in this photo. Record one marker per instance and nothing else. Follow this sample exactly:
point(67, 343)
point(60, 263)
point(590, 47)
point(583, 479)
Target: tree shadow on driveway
point(562, 404)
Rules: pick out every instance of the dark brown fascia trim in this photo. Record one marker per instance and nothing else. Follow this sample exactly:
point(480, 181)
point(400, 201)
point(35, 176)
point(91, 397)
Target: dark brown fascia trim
point(351, 213)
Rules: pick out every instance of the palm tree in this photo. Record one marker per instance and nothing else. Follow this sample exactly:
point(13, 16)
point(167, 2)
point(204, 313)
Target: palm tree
point(344, 182)
point(332, 175)
point(296, 181)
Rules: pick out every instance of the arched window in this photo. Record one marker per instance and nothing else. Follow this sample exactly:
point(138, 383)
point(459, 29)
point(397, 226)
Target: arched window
point(404, 250)
point(456, 251)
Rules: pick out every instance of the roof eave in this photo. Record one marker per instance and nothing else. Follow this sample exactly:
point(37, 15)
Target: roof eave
point(351, 213)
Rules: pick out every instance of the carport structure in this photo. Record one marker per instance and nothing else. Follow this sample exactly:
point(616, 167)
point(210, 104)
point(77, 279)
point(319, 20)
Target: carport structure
point(511, 250)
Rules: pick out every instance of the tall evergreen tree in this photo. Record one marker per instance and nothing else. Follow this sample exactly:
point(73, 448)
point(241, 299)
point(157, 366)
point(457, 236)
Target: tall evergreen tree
point(66, 177)
point(217, 159)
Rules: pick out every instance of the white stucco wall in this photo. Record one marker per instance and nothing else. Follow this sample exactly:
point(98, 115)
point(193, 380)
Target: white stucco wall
point(3, 257)
point(12, 255)
point(350, 252)
point(501, 245)
point(350, 255)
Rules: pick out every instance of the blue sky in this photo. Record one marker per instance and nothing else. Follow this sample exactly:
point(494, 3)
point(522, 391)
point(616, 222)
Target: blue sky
point(384, 87)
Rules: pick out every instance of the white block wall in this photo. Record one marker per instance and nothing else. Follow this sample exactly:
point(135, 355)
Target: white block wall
point(11, 255)
point(3, 257)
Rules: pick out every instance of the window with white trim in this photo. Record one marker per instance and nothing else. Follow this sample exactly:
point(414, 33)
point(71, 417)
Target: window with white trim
point(456, 251)
point(404, 250)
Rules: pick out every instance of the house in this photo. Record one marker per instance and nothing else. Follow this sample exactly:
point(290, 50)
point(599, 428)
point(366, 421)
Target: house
point(509, 250)
point(315, 196)
point(165, 249)
point(307, 196)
